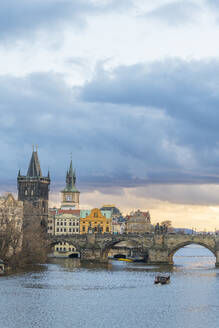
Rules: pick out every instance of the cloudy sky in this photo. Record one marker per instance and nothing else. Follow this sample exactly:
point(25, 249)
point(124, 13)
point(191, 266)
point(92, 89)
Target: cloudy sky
point(130, 87)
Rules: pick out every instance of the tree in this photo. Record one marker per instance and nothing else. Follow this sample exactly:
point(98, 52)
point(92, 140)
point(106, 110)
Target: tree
point(10, 236)
point(168, 224)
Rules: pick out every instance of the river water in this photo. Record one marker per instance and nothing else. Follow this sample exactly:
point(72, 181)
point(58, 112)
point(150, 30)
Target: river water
point(65, 293)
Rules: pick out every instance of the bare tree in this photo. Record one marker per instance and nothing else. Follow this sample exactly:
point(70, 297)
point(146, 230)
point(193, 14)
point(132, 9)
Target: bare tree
point(167, 224)
point(10, 235)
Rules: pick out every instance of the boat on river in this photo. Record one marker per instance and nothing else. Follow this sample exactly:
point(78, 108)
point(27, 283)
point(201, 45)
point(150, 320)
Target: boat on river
point(124, 259)
point(163, 280)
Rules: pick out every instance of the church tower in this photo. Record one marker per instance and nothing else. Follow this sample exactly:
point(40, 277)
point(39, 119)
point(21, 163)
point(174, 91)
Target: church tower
point(33, 190)
point(70, 195)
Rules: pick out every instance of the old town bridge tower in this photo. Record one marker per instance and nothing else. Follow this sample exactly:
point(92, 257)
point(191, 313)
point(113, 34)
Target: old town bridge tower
point(33, 190)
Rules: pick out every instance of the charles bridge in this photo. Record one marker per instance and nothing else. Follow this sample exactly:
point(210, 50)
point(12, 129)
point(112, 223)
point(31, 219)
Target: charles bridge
point(156, 248)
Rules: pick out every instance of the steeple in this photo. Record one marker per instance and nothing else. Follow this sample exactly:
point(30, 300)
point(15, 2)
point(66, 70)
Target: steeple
point(70, 179)
point(70, 195)
point(34, 169)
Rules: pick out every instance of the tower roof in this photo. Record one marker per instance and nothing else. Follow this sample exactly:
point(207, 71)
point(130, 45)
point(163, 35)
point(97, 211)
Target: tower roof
point(70, 179)
point(34, 169)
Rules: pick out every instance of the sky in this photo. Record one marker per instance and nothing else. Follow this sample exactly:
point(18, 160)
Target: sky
point(129, 87)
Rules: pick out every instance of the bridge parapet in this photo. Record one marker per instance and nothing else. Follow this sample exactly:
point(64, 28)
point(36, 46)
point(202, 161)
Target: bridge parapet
point(159, 248)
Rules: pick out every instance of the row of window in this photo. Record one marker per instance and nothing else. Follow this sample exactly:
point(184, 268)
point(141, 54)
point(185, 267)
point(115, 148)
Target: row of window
point(94, 222)
point(95, 229)
point(70, 223)
point(61, 249)
point(67, 230)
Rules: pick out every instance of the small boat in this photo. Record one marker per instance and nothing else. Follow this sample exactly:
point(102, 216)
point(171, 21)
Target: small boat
point(163, 280)
point(125, 260)
point(138, 259)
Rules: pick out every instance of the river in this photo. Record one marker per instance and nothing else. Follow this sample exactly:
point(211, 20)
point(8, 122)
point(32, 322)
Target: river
point(66, 293)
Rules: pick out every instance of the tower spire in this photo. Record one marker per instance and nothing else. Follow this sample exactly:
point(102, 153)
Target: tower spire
point(34, 169)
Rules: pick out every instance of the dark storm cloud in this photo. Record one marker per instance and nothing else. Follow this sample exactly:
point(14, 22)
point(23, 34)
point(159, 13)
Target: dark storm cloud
point(21, 18)
point(187, 92)
point(129, 127)
point(175, 13)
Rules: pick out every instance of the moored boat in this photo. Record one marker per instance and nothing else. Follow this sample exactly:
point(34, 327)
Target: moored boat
point(125, 260)
point(163, 280)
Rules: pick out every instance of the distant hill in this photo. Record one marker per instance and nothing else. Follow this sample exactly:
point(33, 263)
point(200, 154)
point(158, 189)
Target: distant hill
point(184, 230)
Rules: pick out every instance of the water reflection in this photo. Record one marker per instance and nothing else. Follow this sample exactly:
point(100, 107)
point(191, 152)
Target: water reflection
point(69, 293)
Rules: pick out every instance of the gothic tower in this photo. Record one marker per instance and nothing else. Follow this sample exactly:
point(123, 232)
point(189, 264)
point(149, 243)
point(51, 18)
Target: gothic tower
point(33, 190)
point(70, 195)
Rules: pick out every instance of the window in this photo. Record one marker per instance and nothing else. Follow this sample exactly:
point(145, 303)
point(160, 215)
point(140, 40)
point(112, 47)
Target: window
point(74, 223)
point(64, 229)
point(73, 230)
point(69, 229)
point(61, 229)
point(65, 223)
point(107, 229)
point(61, 223)
point(76, 229)
point(83, 229)
point(57, 229)
point(77, 223)
point(57, 222)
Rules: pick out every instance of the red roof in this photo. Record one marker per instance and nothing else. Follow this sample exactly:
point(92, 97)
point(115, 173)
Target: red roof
point(75, 212)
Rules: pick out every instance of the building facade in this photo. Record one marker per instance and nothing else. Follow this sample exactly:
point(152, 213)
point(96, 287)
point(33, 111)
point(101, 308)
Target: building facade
point(66, 224)
point(33, 190)
point(11, 223)
point(65, 249)
point(95, 222)
point(139, 222)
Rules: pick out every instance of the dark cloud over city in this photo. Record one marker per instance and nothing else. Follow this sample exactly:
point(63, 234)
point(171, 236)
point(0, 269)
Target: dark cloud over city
point(130, 88)
point(134, 125)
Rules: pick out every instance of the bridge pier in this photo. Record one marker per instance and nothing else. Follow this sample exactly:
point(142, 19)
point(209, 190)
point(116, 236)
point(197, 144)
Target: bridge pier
point(93, 254)
point(217, 258)
point(158, 256)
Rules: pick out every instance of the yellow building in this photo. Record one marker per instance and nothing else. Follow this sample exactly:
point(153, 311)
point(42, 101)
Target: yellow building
point(95, 222)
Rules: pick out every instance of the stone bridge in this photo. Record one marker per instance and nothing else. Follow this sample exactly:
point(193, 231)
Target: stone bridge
point(156, 248)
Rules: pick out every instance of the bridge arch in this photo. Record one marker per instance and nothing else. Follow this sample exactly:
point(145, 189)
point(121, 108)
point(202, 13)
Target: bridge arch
point(65, 248)
point(130, 243)
point(173, 250)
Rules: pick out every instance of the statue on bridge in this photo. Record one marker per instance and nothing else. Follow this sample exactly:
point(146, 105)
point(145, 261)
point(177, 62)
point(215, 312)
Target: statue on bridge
point(160, 229)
